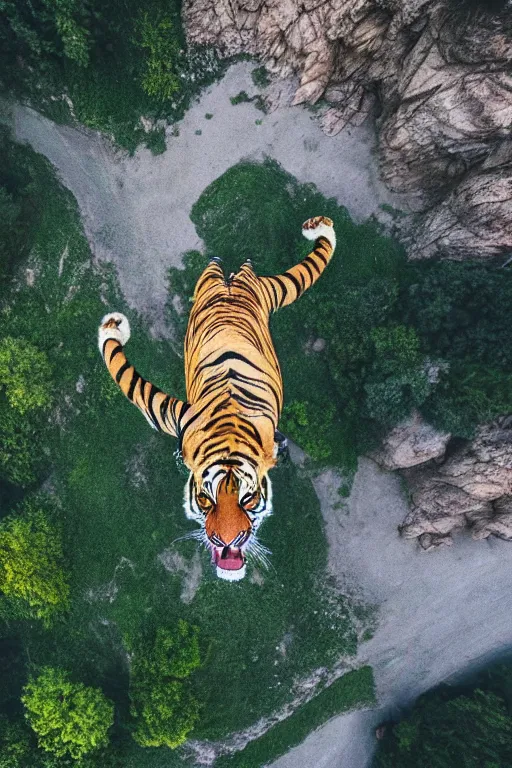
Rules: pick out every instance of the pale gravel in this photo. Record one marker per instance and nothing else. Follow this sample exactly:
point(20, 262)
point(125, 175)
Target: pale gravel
point(439, 613)
point(136, 210)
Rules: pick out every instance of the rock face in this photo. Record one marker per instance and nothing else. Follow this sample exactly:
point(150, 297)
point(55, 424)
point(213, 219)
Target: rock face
point(410, 443)
point(436, 72)
point(472, 489)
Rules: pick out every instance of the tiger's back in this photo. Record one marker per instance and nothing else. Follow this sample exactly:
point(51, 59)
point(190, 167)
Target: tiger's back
point(231, 368)
point(226, 429)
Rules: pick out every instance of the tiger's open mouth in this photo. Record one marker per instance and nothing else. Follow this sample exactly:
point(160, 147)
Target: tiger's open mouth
point(230, 563)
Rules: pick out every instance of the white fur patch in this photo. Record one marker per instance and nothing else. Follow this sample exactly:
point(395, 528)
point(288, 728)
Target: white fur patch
point(222, 573)
point(321, 231)
point(121, 333)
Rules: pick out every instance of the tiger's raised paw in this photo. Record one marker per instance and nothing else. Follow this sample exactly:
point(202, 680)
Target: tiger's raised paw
point(319, 226)
point(113, 326)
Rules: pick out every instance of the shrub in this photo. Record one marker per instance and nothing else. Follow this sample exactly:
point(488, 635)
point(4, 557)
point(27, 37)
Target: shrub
point(156, 36)
point(469, 731)
point(164, 709)
point(31, 563)
point(25, 375)
point(68, 718)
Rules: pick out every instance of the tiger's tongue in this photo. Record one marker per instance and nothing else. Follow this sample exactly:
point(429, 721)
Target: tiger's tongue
point(229, 559)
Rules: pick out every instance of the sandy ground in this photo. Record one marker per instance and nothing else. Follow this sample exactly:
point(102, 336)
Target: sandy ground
point(136, 210)
point(438, 612)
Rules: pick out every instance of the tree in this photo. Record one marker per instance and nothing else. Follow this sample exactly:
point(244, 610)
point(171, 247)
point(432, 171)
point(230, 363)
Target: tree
point(31, 563)
point(25, 394)
point(471, 731)
point(156, 37)
point(25, 375)
point(69, 718)
point(15, 747)
point(162, 704)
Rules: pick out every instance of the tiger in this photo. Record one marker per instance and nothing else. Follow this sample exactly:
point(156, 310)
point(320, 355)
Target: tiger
point(227, 427)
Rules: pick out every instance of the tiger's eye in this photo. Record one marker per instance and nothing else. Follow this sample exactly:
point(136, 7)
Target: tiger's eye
point(204, 502)
point(253, 501)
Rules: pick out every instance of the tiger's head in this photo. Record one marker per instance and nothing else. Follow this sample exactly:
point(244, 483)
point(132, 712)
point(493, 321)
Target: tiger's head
point(229, 504)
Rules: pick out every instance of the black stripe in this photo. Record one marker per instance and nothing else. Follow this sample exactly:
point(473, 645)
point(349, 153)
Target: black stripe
point(116, 351)
point(310, 260)
point(308, 269)
point(122, 370)
point(229, 356)
point(294, 281)
point(321, 256)
point(283, 288)
point(152, 392)
point(133, 384)
point(164, 405)
point(252, 432)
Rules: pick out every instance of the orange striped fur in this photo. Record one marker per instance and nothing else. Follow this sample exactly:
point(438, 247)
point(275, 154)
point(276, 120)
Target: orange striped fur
point(226, 429)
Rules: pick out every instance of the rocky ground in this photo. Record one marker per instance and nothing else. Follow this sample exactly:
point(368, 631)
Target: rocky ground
point(437, 74)
point(437, 612)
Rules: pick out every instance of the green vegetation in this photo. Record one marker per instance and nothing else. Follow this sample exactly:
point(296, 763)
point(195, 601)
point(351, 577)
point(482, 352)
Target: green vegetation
point(353, 690)
point(68, 718)
point(398, 336)
point(32, 578)
point(161, 700)
point(466, 726)
point(260, 77)
point(103, 64)
point(244, 98)
point(116, 495)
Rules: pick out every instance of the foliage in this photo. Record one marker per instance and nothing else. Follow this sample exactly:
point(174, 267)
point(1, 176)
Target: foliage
point(306, 424)
point(442, 731)
point(354, 689)
point(31, 562)
point(105, 64)
point(15, 746)
point(10, 211)
point(160, 78)
point(260, 77)
point(25, 375)
point(68, 718)
point(162, 704)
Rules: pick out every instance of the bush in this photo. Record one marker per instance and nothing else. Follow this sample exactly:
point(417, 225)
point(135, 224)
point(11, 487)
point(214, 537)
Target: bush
point(31, 563)
point(156, 36)
point(468, 731)
point(25, 375)
point(68, 718)
point(162, 704)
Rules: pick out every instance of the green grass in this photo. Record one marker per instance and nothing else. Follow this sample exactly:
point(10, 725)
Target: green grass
point(119, 492)
point(353, 690)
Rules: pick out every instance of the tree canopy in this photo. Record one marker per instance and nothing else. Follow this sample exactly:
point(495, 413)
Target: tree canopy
point(69, 718)
point(162, 704)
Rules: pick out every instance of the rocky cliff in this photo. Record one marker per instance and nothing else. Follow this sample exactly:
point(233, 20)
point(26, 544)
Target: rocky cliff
point(469, 486)
point(435, 74)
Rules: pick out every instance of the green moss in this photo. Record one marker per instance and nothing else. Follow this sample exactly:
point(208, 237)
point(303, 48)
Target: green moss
point(353, 690)
point(260, 77)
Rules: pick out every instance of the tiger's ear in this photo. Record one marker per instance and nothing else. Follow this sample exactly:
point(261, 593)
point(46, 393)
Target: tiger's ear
point(162, 411)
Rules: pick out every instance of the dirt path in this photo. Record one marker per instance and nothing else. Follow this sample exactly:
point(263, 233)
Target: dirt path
point(439, 612)
point(136, 210)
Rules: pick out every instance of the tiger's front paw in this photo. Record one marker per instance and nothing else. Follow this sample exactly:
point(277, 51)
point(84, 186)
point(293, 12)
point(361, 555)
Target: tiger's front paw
point(319, 226)
point(113, 326)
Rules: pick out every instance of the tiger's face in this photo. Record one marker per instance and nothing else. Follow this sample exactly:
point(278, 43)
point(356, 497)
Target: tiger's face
point(230, 506)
